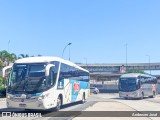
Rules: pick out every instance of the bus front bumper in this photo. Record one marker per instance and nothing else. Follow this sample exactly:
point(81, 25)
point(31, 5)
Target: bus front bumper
point(29, 104)
point(134, 94)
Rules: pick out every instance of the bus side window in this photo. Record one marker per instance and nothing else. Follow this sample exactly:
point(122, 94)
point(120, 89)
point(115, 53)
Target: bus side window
point(64, 72)
point(155, 81)
point(142, 80)
point(61, 76)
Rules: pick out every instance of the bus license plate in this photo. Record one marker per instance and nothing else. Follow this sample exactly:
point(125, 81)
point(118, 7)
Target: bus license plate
point(22, 105)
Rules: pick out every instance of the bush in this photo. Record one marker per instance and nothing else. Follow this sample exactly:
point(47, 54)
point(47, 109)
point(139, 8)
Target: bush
point(2, 91)
point(1, 81)
point(2, 87)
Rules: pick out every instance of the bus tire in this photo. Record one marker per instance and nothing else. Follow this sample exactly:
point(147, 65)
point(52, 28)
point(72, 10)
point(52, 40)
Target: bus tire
point(126, 98)
point(59, 103)
point(83, 98)
point(27, 110)
point(154, 94)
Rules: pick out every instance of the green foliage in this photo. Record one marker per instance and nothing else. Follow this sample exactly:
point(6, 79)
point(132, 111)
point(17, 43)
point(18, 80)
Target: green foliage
point(1, 81)
point(23, 56)
point(6, 58)
point(135, 71)
point(2, 87)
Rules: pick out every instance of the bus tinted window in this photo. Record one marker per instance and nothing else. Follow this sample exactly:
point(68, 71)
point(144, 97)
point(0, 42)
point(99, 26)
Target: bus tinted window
point(127, 84)
point(69, 72)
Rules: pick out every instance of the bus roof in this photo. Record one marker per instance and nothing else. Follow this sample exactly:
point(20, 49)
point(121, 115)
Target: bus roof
point(43, 59)
point(134, 75)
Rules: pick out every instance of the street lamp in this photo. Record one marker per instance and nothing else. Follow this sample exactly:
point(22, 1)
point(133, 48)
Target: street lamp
point(69, 52)
point(65, 48)
point(8, 45)
point(149, 63)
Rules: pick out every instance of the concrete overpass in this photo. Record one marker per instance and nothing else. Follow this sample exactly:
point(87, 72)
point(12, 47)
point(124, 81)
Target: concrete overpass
point(105, 76)
point(111, 72)
point(116, 68)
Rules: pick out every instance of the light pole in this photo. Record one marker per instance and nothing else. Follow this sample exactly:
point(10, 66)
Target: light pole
point(8, 45)
point(149, 62)
point(85, 60)
point(65, 48)
point(69, 52)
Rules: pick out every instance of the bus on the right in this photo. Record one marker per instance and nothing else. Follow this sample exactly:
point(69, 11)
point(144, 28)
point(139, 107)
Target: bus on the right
point(137, 85)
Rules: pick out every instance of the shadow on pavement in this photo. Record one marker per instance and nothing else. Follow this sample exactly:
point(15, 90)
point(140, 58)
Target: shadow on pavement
point(118, 98)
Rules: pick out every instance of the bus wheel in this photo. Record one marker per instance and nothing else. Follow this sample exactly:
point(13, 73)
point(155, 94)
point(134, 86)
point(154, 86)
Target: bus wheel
point(154, 94)
point(126, 98)
point(142, 96)
point(83, 98)
point(27, 109)
point(59, 103)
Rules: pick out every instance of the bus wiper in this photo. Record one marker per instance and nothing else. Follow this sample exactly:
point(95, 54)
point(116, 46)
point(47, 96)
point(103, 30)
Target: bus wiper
point(26, 83)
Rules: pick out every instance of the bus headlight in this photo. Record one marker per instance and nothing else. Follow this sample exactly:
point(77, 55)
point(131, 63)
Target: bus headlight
point(39, 98)
point(9, 96)
point(43, 97)
point(135, 93)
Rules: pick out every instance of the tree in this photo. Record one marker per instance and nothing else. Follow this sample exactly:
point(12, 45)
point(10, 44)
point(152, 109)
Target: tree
point(2, 87)
point(7, 58)
point(136, 71)
point(11, 58)
point(1, 64)
point(23, 56)
point(4, 56)
point(1, 81)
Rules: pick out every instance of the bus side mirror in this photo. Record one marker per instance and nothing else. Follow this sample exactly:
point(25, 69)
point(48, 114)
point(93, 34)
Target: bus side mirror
point(6, 71)
point(48, 68)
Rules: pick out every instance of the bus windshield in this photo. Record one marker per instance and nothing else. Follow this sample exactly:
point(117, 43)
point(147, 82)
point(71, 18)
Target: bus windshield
point(27, 78)
point(127, 84)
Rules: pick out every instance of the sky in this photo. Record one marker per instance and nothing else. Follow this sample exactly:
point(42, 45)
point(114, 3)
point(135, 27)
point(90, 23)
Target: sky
point(98, 29)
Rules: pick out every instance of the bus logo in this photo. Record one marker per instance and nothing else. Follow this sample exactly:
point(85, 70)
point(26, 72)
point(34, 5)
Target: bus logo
point(76, 87)
point(22, 100)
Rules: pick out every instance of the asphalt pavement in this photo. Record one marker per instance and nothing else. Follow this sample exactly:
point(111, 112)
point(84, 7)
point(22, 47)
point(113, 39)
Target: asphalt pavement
point(103, 106)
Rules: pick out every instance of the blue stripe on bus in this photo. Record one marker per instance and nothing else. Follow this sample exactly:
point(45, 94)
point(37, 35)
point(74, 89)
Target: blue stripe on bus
point(83, 85)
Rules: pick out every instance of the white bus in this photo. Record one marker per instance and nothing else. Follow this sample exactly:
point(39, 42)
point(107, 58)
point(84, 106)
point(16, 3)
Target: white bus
point(46, 82)
point(135, 85)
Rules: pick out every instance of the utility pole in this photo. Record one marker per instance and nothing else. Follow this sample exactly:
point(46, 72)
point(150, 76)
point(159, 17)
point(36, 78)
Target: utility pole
point(149, 62)
point(126, 55)
point(65, 48)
